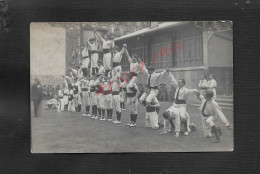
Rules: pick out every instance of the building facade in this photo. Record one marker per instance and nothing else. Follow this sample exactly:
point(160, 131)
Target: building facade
point(189, 49)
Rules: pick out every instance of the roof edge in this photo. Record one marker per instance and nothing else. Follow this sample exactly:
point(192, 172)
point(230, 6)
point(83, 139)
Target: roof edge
point(161, 26)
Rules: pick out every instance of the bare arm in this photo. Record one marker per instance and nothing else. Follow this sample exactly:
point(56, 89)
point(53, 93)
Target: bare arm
point(173, 81)
point(143, 68)
point(123, 50)
point(128, 56)
point(99, 36)
point(89, 43)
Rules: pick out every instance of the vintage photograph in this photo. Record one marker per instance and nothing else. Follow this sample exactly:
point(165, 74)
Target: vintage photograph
point(119, 87)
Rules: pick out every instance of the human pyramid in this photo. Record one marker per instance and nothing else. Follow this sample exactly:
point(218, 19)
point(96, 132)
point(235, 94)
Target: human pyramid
point(100, 87)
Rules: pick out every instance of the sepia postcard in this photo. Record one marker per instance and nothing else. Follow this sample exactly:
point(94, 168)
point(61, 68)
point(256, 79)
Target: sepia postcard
point(119, 87)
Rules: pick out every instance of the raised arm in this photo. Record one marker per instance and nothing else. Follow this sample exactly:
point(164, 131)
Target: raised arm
point(89, 43)
point(99, 36)
point(143, 68)
point(173, 81)
point(113, 42)
point(123, 50)
point(128, 57)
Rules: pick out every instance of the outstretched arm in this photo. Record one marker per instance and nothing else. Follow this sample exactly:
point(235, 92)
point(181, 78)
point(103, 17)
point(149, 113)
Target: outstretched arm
point(160, 75)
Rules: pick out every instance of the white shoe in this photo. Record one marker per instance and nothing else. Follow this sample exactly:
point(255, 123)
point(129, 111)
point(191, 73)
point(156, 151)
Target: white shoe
point(96, 118)
point(177, 134)
point(186, 133)
point(88, 115)
point(132, 124)
point(93, 116)
point(102, 119)
point(164, 132)
point(117, 122)
point(128, 124)
point(123, 109)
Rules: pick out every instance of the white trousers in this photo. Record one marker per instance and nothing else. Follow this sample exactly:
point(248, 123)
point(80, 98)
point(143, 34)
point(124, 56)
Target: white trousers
point(85, 98)
point(100, 101)
point(66, 99)
point(93, 98)
point(179, 115)
point(108, 101)
point(122, 96)
point(152, 94)
point(71, 106)
point(151, 120)
point(116, 101)
point(207, 123)
point(107, 61)
point(132, 103)
point(61, 105)
point(94, 60)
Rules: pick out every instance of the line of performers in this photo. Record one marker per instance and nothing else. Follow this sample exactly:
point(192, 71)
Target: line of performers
point(102, 89)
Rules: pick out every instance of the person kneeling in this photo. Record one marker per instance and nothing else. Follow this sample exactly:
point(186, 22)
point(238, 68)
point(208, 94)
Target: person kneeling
point(151, 117)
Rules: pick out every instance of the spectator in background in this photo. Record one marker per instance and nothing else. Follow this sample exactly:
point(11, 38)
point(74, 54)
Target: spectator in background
point(44, 91)
point(53, 103)
point(52, 91)
point(203, 84)
point(212, 84)
point(172, 93)
point(164, 93)
point(48, 91)
point(36, 95)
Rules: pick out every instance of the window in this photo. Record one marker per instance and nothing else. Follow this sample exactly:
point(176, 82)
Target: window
point(161, 56)
point(141, 52)
point(161, 51)
point(190, 52)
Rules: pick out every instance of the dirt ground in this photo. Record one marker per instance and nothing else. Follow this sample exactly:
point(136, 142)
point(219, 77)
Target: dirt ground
point(67, 132)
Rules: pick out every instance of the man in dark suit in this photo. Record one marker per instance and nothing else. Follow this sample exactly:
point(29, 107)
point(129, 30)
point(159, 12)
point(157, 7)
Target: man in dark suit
point(36, 95)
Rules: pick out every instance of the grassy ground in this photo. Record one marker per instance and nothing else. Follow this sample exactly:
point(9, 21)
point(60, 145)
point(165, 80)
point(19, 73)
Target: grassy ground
point(66, 132)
